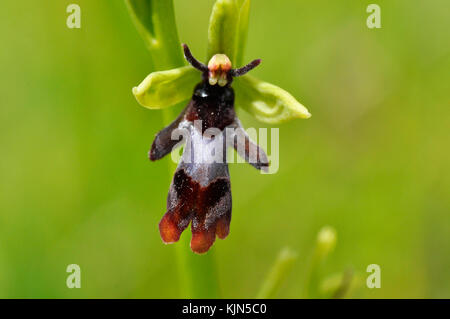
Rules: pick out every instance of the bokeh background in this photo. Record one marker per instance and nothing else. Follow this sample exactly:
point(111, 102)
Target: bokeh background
point(373, 161)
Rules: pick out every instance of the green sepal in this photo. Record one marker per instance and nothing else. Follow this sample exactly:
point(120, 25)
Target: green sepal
point(166, 88)
point(267, 102)
point(241, 32)
point(223, 24)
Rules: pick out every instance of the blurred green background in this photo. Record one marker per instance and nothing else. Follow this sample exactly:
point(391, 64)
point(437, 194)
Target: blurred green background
point(76, 185)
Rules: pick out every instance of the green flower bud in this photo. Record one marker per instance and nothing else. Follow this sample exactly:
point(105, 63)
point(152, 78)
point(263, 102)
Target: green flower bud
point(326, 241)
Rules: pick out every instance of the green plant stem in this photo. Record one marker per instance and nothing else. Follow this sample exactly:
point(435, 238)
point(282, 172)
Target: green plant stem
point(278, 274)
point(155, 20)
point(326, 241)
point(197, 273)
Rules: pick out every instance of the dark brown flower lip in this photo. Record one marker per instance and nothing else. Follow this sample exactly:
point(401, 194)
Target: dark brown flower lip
point(206, 208)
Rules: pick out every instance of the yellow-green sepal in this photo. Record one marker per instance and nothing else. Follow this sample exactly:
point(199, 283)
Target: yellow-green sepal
point(222, 29)
point(241, 32)
point(166, 88)
point(267, 102)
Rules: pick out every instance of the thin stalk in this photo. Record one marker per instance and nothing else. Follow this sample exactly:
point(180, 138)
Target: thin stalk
point(197, 273)
point(155, 21)
point(326, 241)
point(278, 274)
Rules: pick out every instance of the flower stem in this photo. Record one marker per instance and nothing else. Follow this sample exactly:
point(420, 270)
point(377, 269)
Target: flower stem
point(155, 21)
point(197, 273)
point(326, 241)
point(278, 274)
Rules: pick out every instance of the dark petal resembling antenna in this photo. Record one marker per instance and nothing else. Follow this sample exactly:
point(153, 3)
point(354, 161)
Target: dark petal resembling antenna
point(245, 68)
point(193, 61)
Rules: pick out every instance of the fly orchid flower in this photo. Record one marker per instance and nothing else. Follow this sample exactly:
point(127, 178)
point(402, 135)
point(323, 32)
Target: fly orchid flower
point(200, 192)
